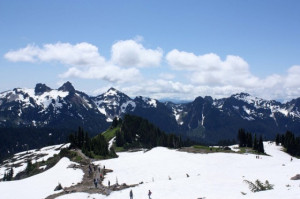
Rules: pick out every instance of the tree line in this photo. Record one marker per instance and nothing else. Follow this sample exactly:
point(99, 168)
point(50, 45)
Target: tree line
point(136, 132)
point(90, 147)
point(290, 142)
point(8, 176)
point(245, 140)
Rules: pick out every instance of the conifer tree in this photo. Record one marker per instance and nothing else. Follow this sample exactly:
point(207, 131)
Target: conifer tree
point(242, 138)
point(261, 145)
point(277, 140)
point(249, 140)
point(255, 144)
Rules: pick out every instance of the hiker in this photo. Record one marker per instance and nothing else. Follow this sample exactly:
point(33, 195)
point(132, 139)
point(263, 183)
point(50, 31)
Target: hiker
point(108, 183)
point(131, 194)
point(96, 182)
point(90, 170)
point(291, 159)
point(149, 194)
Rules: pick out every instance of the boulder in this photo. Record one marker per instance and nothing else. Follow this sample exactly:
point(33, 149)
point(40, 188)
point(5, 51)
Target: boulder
point(296, 177)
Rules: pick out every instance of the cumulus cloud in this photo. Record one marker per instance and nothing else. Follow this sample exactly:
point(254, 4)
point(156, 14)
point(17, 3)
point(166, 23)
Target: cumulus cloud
point(80, 54)
point(132, 53)
point(196, 75)
point(209, 69)
point(210, 74)
point(83, 61)
point(108, 73)
point(27, 54)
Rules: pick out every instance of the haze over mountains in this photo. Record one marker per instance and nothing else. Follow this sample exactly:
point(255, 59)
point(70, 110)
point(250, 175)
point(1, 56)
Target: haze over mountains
point(204, 119)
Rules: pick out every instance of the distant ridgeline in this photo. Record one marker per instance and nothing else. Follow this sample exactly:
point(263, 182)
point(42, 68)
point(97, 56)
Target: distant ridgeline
point(205, 120)
point(131, 132)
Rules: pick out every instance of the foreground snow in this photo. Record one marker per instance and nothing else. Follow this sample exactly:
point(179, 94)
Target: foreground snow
point(42, 185)
point(214, 176)
point(19, 160)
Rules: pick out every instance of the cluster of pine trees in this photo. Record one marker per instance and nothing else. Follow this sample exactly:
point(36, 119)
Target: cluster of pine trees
point(8, 176)
point(289, 142)
point(245, 140)
point(138, 132)
point(90, 147)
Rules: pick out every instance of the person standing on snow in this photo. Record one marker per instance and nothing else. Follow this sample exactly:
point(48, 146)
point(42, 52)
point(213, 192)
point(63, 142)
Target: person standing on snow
point(131, 194)
point(149, 194)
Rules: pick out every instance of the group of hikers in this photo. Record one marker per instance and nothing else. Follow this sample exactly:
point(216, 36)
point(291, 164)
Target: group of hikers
point(98, 174)
point(131, 194)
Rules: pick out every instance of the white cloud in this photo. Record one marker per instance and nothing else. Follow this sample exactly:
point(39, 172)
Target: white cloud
point(81, 54)
point(209, 69)
point(27, 54)
point(196, 75)
point(131, 53)
point(293, 77)
point(83, 60)
point(108, 73)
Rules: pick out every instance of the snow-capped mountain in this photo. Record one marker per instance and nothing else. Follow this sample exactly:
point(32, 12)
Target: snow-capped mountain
point(204, 119)
point(113, 103)
point(45, 107)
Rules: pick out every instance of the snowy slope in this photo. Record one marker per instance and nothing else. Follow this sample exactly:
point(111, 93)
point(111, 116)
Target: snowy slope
point(42, 185)
point(214, 176)
point(19, 160)
point(113, 103)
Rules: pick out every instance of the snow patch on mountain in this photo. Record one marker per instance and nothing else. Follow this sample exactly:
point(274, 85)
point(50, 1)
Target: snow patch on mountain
point(126, 104)
point(111, 92)
point(177, 112)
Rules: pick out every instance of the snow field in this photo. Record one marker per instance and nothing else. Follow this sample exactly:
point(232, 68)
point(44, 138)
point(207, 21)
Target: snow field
point(215, 175)
point(42, 185)
point(21, 158)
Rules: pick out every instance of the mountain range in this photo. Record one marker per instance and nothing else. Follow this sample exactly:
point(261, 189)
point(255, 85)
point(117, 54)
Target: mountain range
point(205, 119)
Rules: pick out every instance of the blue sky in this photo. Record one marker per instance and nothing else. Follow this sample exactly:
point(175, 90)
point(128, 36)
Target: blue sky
point(160, 49)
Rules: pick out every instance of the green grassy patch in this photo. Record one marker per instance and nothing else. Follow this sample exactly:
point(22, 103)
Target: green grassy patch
point(110, 133)
point(209, 149)
point(119, 149)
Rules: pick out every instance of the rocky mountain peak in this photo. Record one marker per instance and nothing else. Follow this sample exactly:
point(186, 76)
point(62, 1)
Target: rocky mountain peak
point(67, 87)
point(41, 88)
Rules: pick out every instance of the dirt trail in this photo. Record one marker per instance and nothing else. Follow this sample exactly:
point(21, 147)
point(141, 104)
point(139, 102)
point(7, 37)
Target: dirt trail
point(87, 184)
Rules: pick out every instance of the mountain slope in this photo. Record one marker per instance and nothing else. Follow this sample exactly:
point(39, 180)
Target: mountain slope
point(204, 119)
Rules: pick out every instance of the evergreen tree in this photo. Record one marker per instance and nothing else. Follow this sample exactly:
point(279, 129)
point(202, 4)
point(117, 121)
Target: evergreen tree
point(115, 122)
point(5, 176)
point(277, 139)
point(290, 143)
point(255, 144)
point(261, 145)
point(242, 138)
point(29, 167)
point(119, 139)
point(11, 173)
point(249, 140)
